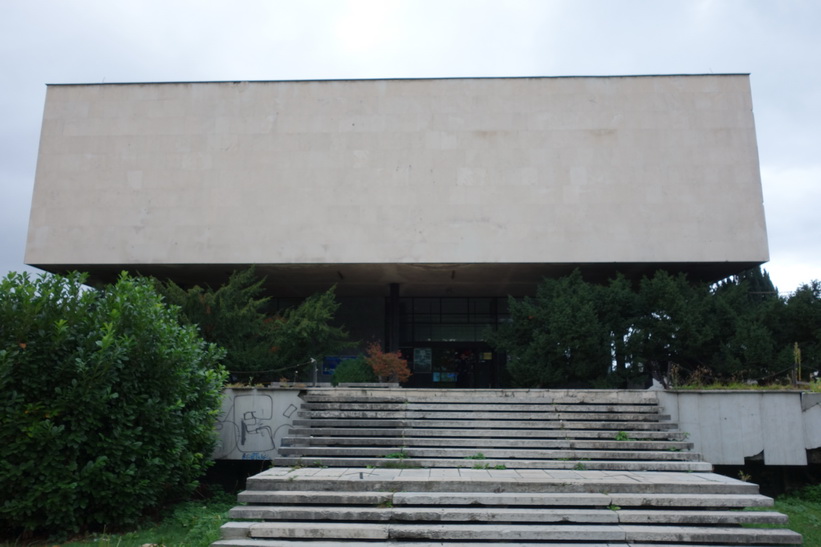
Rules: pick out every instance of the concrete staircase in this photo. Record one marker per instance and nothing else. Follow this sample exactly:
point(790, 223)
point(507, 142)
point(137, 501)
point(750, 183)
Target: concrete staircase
point(493, 467)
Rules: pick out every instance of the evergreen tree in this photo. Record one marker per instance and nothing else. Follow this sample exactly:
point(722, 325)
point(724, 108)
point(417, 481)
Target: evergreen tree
point(800, 323)
point(673, 325)
point(743, 312)
point(259, 345)
point(556, 338)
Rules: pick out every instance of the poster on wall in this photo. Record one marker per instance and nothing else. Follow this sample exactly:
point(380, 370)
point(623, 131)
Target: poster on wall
point(422, 359)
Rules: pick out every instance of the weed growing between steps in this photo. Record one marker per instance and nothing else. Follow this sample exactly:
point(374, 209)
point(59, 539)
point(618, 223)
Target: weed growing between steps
point(397, 460)
point(499, 467)
point(400, 464)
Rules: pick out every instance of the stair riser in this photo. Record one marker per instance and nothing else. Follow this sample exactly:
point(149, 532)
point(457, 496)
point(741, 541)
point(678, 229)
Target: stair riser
point(481, 416)
point(542, 515)
point(483, 396)
point(555, 444)
point(490, 454)
point(514, 532)
point(362, 484)
point(512, 434)
point(694, 466)
point(500, 425)
point(482, 407)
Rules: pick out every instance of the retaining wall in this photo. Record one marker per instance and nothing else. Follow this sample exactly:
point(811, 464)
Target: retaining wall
point(726, 427)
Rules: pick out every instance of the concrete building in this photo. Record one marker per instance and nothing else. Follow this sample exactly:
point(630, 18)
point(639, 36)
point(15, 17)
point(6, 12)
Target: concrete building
point(425, 201)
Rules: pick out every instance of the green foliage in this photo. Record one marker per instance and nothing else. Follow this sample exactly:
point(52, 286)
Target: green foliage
point(800, 322)
point(235, 316)
point(306, 331)
point(575, 333)
point(107, 404)
point(557, 337)
point(231, 316)
point(353, 371)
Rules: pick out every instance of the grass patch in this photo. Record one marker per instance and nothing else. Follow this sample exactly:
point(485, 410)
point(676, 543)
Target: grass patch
point(803, 507)
point(814, 387)
point(189, 524)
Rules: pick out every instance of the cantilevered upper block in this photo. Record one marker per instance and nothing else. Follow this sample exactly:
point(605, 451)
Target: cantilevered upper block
point(576, 170)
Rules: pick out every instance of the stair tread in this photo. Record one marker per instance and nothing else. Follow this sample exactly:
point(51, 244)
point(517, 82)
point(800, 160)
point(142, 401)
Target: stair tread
point(483, 424)
point(606, 514)
point(532, 532)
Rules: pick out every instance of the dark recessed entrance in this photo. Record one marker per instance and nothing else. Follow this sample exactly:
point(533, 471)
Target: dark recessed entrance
point(444, 340)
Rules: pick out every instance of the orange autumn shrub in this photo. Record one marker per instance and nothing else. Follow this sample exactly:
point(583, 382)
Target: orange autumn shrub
point(388, 366)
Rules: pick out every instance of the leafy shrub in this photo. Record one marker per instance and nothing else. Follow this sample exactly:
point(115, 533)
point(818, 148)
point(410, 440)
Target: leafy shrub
point(352, 371)
point(388, 366)
point(106, 403)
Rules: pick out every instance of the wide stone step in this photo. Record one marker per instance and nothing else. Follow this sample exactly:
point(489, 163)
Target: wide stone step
point(449, 514)
point(484, 407)
point(611, 515)
point(569, 396)
point(511, 532)
point(480, 424)
point(262, 499)
point(339, 481)
point(510, 433)
point(488, 453)
point(335, 543)
point(548, 416)
point(610, 465)
point(458, 442)
point(247, 542)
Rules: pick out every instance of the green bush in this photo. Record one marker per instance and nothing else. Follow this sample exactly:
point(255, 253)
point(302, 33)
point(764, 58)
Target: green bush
point(106, 403)
point(352, 371)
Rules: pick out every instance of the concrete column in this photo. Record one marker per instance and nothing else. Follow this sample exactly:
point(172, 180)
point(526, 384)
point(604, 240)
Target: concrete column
point(392, 342)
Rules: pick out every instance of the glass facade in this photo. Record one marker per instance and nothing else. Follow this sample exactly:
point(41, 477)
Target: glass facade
point(444, 340)
point(449, 319)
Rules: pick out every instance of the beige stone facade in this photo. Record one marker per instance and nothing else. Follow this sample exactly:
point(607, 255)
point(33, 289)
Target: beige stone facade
point(400, 178)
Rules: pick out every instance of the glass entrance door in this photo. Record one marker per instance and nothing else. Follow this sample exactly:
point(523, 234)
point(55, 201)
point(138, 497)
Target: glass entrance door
point(451, 365)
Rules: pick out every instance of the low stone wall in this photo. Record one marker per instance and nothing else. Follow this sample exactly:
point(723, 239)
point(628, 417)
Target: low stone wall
point(726, 427)
point(729, 427)
point(253, 422)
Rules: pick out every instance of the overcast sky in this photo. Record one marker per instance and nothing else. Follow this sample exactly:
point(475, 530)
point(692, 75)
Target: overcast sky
point(91, 41)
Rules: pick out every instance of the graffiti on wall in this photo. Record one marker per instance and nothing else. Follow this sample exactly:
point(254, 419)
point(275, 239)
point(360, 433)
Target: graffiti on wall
point(253, 422)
